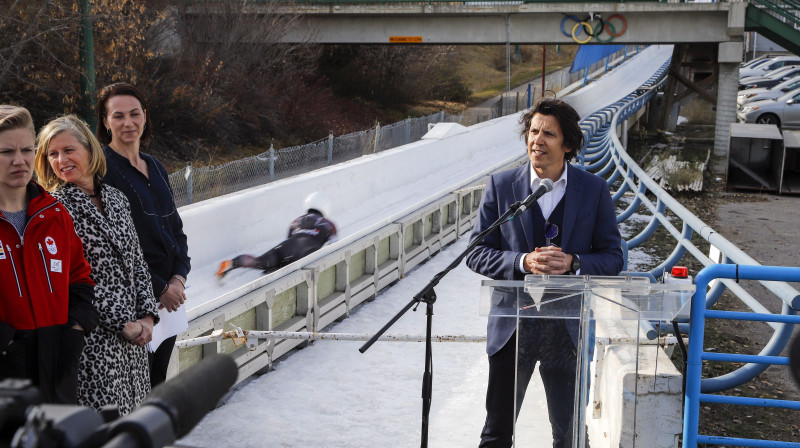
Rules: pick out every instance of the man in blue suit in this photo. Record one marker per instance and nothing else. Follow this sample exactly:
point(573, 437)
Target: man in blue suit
point(587, 241)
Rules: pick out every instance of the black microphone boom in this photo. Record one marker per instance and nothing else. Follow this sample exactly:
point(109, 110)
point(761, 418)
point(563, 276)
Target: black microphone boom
point(545, 186)
point(176, 406)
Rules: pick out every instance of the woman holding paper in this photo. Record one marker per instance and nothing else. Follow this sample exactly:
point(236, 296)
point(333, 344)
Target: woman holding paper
point(123, 124)
point(113, 369)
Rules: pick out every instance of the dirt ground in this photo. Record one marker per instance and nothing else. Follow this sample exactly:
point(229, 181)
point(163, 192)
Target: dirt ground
point(765, 226)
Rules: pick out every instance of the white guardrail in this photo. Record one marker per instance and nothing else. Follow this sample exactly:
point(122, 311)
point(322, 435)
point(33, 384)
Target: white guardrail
point(325, 290)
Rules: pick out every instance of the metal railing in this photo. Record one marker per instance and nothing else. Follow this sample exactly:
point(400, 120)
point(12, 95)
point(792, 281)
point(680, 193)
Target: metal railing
point(605, 155)
point(192, 184)
point(696, 354)
point(787, 11)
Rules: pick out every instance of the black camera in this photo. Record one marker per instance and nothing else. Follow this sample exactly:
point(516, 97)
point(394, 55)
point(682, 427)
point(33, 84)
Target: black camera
point(168, 413)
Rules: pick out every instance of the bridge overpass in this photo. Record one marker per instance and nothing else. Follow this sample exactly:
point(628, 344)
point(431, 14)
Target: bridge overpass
point(708, 36)
point(498, 22)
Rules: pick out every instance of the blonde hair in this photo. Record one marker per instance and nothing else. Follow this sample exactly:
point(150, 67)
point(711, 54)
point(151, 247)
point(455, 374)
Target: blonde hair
point(15, 117)
point(67, 123)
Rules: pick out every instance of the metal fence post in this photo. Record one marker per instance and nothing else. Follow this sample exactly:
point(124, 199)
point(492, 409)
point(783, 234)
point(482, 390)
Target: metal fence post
point(377, 137)
point(408, 130)
point(330, 148)
point(441, 116)
point(271, 162)
point(530, 95)
point(625, 134)
point(189, 178)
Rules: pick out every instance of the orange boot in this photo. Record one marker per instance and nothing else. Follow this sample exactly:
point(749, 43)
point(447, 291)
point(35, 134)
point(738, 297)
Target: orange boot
point(225, 267)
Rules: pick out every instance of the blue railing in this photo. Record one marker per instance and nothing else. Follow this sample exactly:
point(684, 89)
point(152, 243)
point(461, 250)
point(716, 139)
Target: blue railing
point(694, 395)
point(605, 156)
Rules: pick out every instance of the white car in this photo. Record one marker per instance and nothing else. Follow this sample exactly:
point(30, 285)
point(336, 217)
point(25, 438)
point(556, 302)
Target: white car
point(762, 69)
point(783, 111)
point(753, 63)
point(766, 93)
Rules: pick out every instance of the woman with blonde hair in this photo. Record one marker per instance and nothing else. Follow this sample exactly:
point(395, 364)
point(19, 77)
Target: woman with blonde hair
point(70, 163)
point(46, 292)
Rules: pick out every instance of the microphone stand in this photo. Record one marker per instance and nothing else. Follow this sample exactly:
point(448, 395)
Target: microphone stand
point(428, 296)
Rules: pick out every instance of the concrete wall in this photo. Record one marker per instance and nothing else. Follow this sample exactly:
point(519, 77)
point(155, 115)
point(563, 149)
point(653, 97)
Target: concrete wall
point(727, 87)
point(528, 23)
point(636, 409)
point(636, 392)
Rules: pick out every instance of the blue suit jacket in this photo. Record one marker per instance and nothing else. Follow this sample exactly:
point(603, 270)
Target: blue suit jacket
point(589, 230)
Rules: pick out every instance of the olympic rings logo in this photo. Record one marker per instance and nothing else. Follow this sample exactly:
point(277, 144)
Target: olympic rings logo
point(585, 27)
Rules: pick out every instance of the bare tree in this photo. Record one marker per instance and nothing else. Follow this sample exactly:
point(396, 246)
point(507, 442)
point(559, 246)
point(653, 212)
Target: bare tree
point(39, 46)
point(225, 71)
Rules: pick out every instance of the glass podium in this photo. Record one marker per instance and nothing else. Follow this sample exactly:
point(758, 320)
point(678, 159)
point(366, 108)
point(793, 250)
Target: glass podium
point(560, 319)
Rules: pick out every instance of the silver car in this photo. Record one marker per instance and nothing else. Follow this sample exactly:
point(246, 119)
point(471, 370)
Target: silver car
point(783, 111)
point(772, 78)
point(774, 63)
point(766, 93)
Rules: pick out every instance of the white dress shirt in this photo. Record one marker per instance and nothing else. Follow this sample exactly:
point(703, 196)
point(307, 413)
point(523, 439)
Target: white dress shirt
point(548, 201)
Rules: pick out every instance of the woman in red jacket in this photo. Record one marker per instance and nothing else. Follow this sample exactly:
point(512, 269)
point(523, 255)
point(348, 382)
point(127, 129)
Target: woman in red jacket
point(46, 295)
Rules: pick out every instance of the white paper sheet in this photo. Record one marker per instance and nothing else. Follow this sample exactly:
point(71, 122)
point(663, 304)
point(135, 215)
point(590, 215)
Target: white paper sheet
point(170, 324)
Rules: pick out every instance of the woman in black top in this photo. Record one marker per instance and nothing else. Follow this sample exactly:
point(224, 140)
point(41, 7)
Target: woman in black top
point(122, 125)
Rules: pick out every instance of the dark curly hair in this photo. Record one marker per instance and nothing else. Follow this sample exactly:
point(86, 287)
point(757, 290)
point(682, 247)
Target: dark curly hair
point(117, 89)
point(567, 117)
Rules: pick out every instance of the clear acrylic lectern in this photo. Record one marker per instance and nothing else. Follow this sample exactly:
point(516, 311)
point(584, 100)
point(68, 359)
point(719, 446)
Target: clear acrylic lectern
point(560, 319)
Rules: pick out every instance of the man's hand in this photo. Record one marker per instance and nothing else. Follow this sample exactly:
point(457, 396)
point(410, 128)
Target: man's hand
point(548, 260)
point(173, 297)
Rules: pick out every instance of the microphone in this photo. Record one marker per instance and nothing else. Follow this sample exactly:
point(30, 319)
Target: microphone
point(173, 408)
point(545, 186)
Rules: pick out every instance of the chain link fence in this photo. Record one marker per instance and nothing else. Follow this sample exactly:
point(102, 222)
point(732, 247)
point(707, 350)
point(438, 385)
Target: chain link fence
point(197, 184)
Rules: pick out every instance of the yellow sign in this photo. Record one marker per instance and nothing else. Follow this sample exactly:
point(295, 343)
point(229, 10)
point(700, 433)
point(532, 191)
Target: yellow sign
point(405, 39)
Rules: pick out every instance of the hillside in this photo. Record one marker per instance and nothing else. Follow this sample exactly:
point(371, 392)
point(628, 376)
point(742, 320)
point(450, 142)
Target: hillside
point(478, 72)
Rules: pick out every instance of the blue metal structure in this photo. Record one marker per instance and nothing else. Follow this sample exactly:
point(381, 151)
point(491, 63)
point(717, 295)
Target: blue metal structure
point(696, 354)
point(605, 156)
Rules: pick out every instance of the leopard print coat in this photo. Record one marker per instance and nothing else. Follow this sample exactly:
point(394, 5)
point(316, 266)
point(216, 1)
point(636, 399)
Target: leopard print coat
point(113, 370)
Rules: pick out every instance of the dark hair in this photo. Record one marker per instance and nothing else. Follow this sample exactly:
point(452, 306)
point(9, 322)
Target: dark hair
point(117, 89)
point(567, 117)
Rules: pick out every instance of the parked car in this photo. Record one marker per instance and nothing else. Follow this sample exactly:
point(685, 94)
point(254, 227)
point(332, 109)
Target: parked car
point(753, 63)
point(774, 63)
point(774, 78)
point(783, 112)
point(767, 93)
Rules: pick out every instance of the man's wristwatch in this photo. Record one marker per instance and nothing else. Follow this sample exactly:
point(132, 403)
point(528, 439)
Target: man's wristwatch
point(575, 265)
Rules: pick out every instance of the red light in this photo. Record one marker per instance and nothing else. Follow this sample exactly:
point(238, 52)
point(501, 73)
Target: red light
point(680, 271)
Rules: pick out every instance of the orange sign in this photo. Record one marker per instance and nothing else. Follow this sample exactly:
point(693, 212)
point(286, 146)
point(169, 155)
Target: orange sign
point(405, 39)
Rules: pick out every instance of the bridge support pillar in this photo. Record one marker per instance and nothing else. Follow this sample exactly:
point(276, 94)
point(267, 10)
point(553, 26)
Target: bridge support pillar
point(727, 85)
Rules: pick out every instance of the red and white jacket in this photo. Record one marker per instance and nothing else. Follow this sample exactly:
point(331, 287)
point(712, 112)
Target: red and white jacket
point(39, 269)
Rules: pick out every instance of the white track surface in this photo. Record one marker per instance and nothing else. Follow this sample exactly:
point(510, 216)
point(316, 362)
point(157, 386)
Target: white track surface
point(329, 394)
